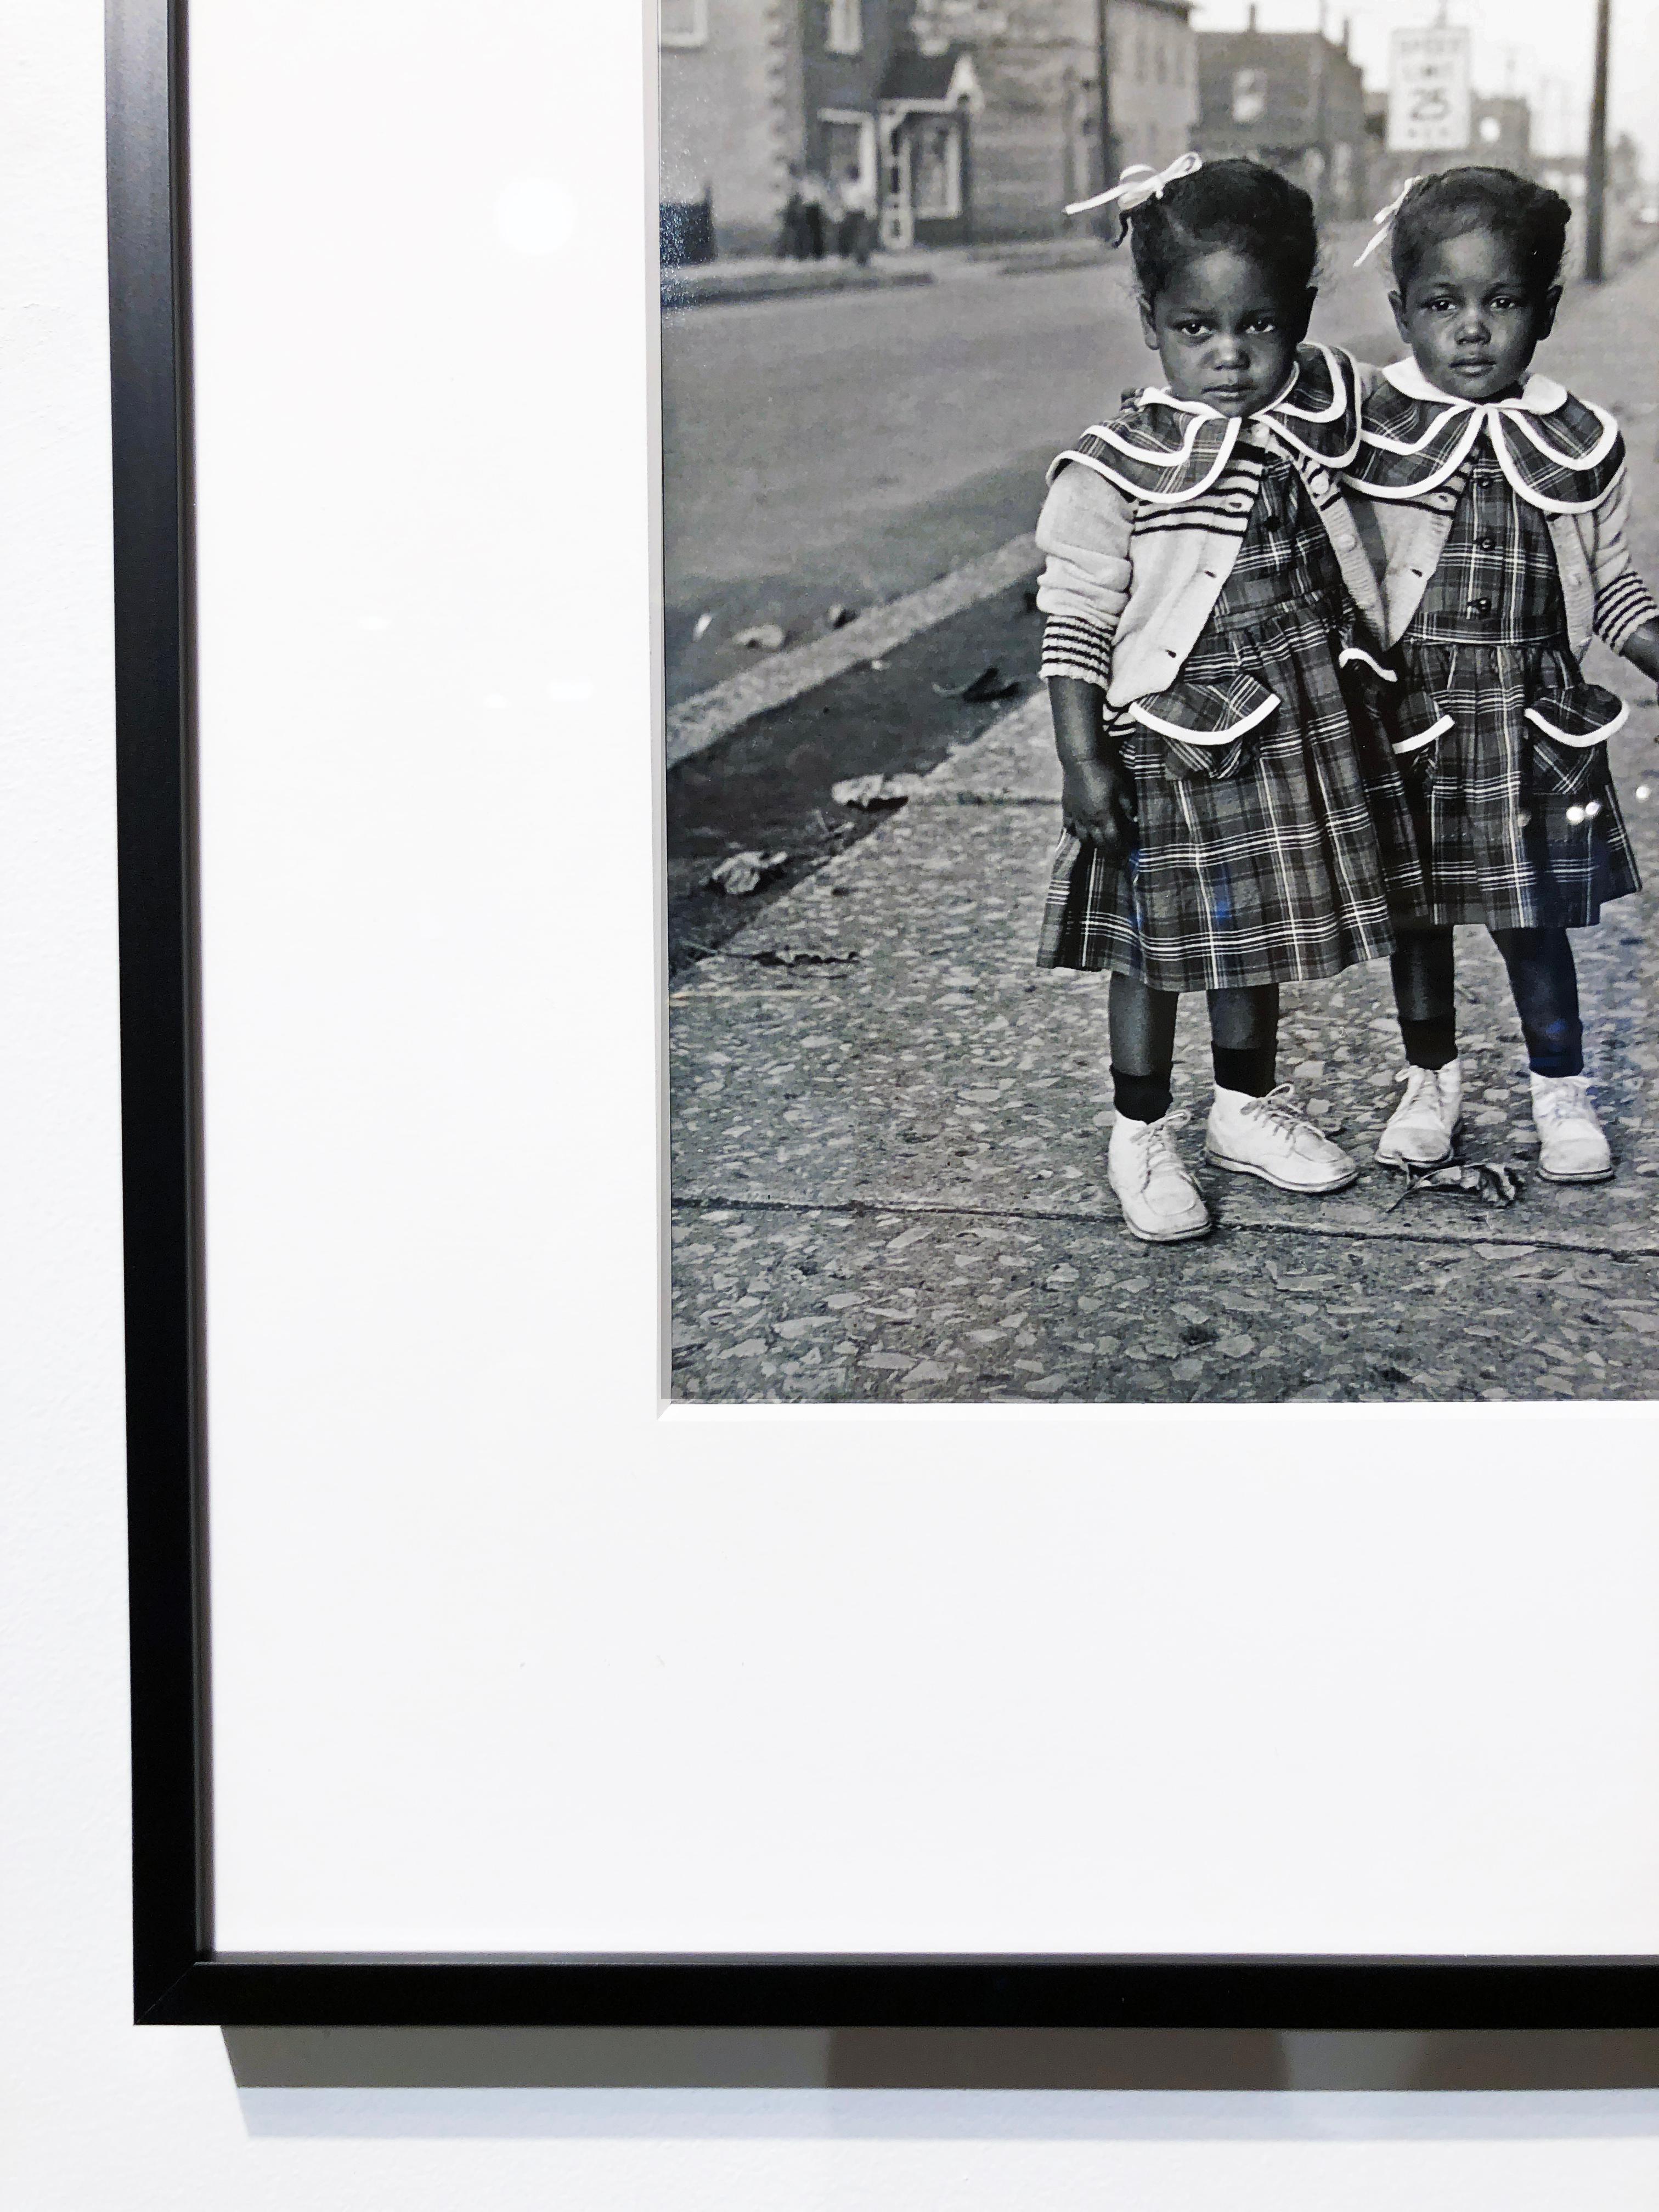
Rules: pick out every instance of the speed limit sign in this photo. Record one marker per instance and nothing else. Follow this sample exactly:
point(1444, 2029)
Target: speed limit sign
point(1429, 91)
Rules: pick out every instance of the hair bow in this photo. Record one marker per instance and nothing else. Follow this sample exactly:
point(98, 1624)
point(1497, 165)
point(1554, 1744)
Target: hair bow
point(1383, 219)
point(1139, 183)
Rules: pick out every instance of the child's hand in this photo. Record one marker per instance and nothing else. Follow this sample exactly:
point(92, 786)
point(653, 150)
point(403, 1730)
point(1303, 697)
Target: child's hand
point(1096, 806)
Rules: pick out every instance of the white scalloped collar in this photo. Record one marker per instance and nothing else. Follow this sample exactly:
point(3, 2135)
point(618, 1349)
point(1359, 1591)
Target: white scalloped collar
point(1541, 395)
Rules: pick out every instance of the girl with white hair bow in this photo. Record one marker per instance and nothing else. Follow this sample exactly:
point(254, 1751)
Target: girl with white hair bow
point(1209, 610)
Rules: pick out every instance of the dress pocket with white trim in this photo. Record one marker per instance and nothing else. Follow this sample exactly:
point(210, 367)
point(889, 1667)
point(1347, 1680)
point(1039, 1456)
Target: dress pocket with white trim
point(1207, 727)
point(1570, 729)
point(1416, 721)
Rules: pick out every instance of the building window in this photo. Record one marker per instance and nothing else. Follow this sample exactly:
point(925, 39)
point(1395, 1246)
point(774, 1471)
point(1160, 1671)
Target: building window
point(849, 153)
point(844, 31)
point(682, 22)
point(1249, 95)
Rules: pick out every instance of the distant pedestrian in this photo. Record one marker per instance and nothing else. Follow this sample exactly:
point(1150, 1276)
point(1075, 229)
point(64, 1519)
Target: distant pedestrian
point(1499, 504)
point(857, 229)
point(815, 216)
point(1210, 610)
point(793, 232)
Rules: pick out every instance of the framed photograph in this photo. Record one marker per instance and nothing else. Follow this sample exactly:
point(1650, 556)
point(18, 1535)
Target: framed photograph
point(674, 1478)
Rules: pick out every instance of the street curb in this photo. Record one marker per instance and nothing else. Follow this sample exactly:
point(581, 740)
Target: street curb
point(699, 722)
point(721, 291)
point(723, 285)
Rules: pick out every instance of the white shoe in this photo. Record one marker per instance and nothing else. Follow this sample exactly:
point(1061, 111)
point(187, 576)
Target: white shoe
point(1574, 1148)
point(1160, 1201)
point(1423, 1127)
point(1272, 1137)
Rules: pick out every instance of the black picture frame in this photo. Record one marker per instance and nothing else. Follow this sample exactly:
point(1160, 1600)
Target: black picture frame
point(179, 1976)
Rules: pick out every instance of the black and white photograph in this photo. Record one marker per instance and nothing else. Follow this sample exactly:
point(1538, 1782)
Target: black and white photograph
point(999, 662)
point(1160, 537)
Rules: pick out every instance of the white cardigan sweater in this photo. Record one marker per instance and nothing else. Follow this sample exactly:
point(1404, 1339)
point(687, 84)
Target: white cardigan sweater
point(1562, 455)
point(1144, 517)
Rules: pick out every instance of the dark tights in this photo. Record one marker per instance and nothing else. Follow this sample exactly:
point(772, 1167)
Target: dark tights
point(1243, 1043)
point(1542, 976)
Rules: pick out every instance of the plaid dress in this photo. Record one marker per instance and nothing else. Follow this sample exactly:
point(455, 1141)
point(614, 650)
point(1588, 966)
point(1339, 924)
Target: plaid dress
point(1277, 856)
point(1517, 828)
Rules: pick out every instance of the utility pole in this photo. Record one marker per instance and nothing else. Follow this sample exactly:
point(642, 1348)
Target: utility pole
point(1108, 163)
point(1595, 162)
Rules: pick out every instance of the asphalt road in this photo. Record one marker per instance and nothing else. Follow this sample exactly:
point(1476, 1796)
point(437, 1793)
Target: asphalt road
point(844, 449)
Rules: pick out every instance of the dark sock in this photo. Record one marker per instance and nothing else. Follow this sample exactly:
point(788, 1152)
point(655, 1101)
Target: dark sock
point(1546, 986)
point(1141, 1097)
point(1558, 1050)
point(1430, 1044)
point(1252, 1068)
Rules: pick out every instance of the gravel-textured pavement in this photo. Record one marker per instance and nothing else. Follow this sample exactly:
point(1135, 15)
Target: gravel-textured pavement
point(888, 1129)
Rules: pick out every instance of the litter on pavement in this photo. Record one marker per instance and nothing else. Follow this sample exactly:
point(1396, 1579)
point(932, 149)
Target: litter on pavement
point(873, 794)
point(988, 687)
point(746, 872)
point(1490, 1181)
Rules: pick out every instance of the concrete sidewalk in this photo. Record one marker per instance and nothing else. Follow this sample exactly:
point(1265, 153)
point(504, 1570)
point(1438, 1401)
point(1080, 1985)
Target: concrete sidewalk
point(889, 1131)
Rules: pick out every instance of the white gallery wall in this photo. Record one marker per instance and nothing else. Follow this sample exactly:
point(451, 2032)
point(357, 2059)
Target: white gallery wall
point(96, 2113)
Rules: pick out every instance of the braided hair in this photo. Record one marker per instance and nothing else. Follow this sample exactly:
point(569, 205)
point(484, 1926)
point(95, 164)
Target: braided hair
point(1235, 206)
point(1529, 216)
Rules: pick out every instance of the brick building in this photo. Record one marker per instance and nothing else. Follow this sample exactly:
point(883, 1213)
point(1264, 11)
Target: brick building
point(1036, 137)
point(1293, 100)
point(969, 119)
point(731, 105)
point(1153, 82)
point(846, 48)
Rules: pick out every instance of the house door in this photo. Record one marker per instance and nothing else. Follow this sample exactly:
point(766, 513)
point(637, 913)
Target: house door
point(898, 213)
point(937, 169)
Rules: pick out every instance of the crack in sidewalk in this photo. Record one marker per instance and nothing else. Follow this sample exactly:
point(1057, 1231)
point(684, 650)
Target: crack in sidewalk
point(1358, 1232)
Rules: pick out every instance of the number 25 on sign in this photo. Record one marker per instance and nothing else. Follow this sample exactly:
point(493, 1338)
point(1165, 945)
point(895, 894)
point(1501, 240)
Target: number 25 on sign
point(1429, 77)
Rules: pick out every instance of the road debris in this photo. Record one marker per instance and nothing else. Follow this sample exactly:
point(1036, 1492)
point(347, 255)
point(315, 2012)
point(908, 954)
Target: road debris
point(774, 955)
point(989, 686)
point(701, 627)
point(794, 956)
point(1493, 1182)
point(762, 637)
point(874, 794)
point(839, 616)
point(746, 872)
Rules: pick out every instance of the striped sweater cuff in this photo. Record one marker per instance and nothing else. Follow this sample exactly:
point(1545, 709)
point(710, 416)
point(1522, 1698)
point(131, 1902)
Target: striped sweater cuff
point(1072, 646)
point(1621, 608)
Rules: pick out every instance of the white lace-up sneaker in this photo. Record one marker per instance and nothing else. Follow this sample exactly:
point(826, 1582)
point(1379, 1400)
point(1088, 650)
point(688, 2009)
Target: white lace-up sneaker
point(1160, 1201)
point(1423, 1127)
point(1573, 1147)
point(1272, 1137)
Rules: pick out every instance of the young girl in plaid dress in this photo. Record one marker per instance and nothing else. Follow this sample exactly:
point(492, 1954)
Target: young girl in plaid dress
point(1203, 587)
point(1496, 503)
